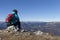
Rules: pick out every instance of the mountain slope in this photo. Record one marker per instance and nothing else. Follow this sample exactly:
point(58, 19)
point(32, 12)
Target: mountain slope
point(26, 36)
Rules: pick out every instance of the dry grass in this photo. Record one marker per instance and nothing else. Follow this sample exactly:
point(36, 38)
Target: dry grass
point(26, 36)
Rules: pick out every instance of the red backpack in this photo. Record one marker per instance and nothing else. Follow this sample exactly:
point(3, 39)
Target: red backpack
point(8, 18)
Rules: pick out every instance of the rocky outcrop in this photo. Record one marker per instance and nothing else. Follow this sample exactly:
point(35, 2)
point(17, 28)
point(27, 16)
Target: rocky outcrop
point(11, 28)
point(38, 32)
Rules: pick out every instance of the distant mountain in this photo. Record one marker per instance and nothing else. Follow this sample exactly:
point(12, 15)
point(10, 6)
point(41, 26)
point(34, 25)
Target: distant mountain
point(50, 27)
point(2, 25)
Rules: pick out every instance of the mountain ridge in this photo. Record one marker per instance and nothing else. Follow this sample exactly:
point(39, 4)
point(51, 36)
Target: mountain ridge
point(50, 27)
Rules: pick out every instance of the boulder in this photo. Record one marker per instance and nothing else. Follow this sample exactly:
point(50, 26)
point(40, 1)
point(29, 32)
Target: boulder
point(38, 33)
point(11, 28)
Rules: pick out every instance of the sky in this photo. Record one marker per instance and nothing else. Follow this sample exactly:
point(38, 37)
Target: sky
point(32, 10)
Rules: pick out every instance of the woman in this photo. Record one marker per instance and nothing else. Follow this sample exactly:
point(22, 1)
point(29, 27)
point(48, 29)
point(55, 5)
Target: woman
point(13, 19)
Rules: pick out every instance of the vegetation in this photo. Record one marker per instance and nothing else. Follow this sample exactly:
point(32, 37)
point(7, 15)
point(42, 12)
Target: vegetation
point(26, 36)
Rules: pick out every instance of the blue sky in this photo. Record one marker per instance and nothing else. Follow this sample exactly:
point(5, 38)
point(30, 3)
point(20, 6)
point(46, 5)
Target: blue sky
point(31, 10)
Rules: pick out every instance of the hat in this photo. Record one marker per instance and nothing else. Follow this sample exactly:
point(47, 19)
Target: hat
point(14, 10)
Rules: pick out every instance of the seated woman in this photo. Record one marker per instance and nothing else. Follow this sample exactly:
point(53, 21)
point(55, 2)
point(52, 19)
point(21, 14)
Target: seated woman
point(13, 19)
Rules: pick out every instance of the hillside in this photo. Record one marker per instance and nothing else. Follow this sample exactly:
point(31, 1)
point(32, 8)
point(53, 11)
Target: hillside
point(50, 27)
point(4, 35)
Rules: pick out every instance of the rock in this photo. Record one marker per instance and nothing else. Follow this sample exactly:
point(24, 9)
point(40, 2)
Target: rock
point(14, 29)
point(11, 28)
point(22, 30)
point(38, 33)
point(0, 31)
point(47, 33)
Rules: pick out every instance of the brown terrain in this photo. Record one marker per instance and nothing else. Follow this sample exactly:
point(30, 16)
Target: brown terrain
point(4, 35)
